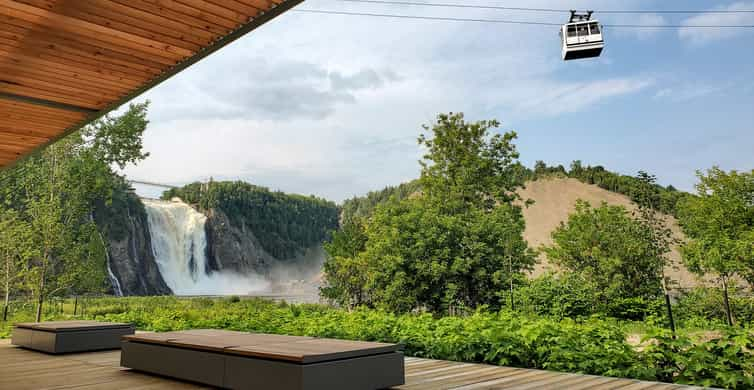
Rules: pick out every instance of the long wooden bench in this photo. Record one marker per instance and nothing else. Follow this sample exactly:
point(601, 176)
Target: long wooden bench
point(239, 360)
point(70, 336)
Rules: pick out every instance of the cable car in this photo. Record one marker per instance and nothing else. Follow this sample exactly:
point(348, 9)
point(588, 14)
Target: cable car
point(581, 37)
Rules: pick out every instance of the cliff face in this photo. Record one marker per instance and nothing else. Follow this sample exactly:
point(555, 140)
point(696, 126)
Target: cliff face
point(129, 247)
point(231, 248)
point(234, 248)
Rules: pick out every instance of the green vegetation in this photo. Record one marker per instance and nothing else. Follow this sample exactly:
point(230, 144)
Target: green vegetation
point(588, 345)
point(16, 249)
point(414, 247)
point(360, 207)
point(456, 245)
point(720, 223)
point(660, 238)
point(53, 245)
point(666, 200)
point(609, 248)
point(438, 264)
point(284, 224)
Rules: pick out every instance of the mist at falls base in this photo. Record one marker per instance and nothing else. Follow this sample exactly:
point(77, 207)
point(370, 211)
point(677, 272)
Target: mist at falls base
point(179, 243)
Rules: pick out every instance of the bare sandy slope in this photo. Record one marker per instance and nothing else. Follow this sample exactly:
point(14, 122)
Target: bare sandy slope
point(555, 199)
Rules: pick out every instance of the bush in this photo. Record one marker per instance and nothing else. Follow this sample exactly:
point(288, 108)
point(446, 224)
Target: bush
point(569, 295)
point(560, 296)
point(635, 308)
point(725, 361)
point(589, 345)
point(707, 304)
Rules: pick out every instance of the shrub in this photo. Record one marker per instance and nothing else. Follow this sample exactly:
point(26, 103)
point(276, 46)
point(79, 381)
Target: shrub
point(570, 295)
point(559, 295)
point(707, 304)
point(725, 361)
point(588, 345)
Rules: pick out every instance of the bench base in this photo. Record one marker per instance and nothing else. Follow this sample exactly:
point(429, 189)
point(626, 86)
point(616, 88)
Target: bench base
point(240, 372)
point(69, 342)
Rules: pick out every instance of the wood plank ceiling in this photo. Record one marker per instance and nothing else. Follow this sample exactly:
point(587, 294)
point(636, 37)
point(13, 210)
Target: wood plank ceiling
point(65, 63)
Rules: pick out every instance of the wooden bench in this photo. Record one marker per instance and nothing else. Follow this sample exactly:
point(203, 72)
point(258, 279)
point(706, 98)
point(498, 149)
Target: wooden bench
point(70, 336)
point(239, 360)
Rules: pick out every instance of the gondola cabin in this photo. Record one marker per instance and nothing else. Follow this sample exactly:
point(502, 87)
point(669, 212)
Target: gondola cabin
point(581, 38)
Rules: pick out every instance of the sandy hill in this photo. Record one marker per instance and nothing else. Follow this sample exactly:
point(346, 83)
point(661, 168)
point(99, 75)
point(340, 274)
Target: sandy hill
point(555, 199)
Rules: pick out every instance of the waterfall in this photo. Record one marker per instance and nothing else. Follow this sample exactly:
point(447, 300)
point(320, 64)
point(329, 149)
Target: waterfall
point(179, 243)
point(113, 280)
point(110, 274)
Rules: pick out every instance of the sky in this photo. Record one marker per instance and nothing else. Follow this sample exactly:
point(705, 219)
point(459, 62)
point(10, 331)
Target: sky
point(332, 105)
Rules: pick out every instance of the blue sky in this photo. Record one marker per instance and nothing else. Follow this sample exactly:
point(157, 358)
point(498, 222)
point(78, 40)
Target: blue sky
point(331, 105)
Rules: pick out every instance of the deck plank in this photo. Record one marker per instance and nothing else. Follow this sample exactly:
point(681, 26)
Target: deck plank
point(22, 369)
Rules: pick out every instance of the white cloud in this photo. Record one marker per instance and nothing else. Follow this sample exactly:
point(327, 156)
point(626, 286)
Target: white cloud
point(699, 36)
point(332, 105)
point(688, 92)
point(563, 98)
point(281, 89)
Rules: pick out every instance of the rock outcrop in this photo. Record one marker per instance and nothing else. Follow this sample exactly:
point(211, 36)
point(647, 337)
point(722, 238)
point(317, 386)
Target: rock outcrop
point(234, 248)
point(130, 252)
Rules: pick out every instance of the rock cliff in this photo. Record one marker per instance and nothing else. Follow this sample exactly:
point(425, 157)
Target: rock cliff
point(231, 248)
point(234, 248)
point(130, 252)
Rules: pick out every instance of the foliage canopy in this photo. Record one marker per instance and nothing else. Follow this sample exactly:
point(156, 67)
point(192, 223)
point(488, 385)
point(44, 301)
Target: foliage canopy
point(284, 224)
point(53, 196)
point(458, 243)
point(608, 247)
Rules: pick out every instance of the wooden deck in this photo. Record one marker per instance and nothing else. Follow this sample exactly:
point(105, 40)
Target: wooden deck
point(22, 369)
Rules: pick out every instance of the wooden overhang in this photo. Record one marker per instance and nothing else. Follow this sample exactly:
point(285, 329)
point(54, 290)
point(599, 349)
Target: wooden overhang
point(65, 63)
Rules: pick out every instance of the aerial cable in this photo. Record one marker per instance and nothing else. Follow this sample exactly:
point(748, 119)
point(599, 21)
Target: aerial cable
point(317, 11)
point(551, 10)
point(449, 5)
point(503, 21)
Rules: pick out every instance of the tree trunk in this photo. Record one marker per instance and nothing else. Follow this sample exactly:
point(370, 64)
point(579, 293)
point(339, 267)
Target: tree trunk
point(667, 304)
point(510, 275)
point(40, 300)
point(670, 313)
point(6, 302)
point(726, 302)
point(40, 293)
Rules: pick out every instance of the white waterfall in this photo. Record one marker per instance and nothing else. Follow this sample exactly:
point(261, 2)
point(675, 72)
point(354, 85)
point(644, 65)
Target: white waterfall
point(179, 243)
point(113, 280)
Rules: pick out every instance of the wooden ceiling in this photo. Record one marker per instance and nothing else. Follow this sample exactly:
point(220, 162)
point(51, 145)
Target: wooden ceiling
point(65, 63)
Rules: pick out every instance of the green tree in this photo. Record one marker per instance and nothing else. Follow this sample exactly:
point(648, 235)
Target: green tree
point(363, 206)
point(540, 168)
point(347, 279)
point(420, 255)
point(720, 224)
point(16, 248)
point(648, 197)
point(665, 201)
point(118, 140)
point(456, 243)
point(467, 166)
point(56, 192)
point(607, 246)
point(56, 206)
